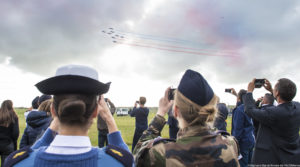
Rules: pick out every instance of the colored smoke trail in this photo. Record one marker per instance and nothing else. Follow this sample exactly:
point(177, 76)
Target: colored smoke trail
point(163, 43)
point(173, 50)
point(152, 37)
point(174, 46)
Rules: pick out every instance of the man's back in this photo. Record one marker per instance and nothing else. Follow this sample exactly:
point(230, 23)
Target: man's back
point(141, 117)
point(285, 123)
point(278, 139)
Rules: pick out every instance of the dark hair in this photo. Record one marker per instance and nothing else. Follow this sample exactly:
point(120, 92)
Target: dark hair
point(44, 98)
point(286, 89)
point(35, 102)
point(241, 93)
point(7, 113)
point(270, 98)
point(74, 109)
point(142, 100)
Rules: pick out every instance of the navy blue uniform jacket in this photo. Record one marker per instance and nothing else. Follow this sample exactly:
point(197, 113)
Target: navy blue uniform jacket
point(141, 117)
point(37, 123)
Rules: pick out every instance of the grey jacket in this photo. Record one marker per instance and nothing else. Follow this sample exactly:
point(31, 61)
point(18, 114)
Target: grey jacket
point(101, 125)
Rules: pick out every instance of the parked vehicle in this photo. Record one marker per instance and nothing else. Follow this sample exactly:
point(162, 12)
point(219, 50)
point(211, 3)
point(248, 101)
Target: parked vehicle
point(122, 111)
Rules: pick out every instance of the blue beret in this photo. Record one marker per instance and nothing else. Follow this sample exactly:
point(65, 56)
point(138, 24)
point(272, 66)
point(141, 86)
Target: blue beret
point(44, 98)
point(194, 87)
point(35, 102)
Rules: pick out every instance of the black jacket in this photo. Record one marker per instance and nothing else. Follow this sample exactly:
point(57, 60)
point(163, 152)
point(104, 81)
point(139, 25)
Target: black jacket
point(9, 134)
point(141, 117)
point(37, 123)
point(278, 140)
point(220, 122)
point(256, 123)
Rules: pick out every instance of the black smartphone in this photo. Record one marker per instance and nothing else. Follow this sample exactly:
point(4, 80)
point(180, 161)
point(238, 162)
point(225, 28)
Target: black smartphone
point(105, 99)
point(137, 102)
point(228, 90)
point(259, 83)
point(171, 94)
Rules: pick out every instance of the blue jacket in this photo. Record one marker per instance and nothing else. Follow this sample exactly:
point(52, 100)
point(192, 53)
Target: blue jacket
point(37, 123)
point(117, 154)
point(243, 129)
point(233, 112)
point(141, 117)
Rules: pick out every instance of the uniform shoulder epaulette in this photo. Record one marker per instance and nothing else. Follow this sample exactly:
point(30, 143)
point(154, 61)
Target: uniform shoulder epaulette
point(162, 140)
point(120, 154)
point(17, 156)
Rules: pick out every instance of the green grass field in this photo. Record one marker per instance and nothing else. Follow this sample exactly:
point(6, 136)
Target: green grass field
point(126, 125)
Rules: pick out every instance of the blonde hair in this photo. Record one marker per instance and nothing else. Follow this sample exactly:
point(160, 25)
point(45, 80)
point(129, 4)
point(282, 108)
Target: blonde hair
point(195, 114)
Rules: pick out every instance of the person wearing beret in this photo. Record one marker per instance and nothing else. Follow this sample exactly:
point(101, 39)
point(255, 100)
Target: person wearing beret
point(34, 107)
point(78, 98)
point(196, 144)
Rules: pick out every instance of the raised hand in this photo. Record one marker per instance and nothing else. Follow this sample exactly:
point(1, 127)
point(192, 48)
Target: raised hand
point(268, 86)
point(106, 115)
point(251, 85)
point(164, 104)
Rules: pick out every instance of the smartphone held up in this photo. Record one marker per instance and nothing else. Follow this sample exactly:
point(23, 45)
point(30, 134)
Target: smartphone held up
point(228, 90)
point(171, 94)
point(259, 83)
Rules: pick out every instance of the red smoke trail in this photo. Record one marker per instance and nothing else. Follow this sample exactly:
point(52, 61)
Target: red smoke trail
point(172, 50)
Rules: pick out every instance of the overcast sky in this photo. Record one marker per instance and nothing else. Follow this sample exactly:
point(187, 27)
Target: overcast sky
point(229, 42)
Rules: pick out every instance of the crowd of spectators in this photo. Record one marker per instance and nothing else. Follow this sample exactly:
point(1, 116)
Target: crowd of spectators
point(263, 131)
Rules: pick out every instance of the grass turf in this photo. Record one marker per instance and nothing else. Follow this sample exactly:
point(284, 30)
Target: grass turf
point(126, 125)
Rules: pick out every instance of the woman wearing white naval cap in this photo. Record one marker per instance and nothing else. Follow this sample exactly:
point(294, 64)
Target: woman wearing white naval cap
point(78, 98)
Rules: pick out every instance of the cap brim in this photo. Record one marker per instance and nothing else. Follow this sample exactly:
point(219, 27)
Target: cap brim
point(67, 84)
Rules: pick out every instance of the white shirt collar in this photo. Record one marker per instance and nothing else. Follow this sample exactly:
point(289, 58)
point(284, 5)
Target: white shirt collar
point(71, 141)
point(69, 145)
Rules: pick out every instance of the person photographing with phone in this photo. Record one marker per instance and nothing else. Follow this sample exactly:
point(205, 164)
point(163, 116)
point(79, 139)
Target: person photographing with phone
point(278, 140)
point(172, 121)
point(101, 124)
point(194, 106)
point(242, 129)
point(78, 98)
point(141, 119)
